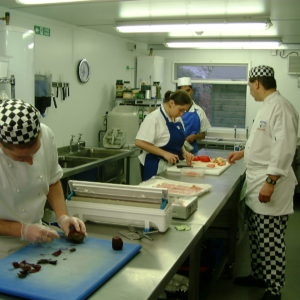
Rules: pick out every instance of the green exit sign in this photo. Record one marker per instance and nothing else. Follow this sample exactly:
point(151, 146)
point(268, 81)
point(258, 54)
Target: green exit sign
point(40, 30)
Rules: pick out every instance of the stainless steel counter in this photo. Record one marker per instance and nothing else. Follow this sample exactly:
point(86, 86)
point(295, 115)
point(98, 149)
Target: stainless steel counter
point(147, 274)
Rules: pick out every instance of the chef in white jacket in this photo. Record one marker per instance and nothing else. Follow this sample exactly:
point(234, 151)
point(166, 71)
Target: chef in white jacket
point(270, 181)
point(29, 176)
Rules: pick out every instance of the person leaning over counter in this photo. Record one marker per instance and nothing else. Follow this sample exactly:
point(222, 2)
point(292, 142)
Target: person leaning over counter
point(270, 182)
point(30, 176)
point(161, 135)
point(195, 120)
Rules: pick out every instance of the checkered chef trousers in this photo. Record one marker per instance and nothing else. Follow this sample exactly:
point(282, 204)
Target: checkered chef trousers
point(267, 246)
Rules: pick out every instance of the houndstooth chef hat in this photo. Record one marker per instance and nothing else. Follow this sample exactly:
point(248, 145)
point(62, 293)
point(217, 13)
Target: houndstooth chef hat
point(19, 122)
point(261, 71)
point(184, 81)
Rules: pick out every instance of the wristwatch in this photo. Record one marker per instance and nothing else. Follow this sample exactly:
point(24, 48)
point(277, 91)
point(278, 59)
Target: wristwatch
point(270, 180)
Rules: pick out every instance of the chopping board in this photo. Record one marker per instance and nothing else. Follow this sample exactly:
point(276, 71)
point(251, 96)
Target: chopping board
point(75, 276)
point(217, 170)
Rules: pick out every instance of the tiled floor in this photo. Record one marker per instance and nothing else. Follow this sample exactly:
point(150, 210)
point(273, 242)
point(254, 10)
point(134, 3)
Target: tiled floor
point(225, 290)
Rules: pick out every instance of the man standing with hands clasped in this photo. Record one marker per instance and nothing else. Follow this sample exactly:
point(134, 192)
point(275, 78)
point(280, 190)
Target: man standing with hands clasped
point(270, 182)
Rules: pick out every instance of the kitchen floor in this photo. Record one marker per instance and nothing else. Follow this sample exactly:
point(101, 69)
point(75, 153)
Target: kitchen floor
point(224, 289)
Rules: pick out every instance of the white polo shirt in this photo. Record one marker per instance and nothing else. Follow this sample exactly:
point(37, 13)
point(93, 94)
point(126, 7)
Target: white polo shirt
point(154, 130)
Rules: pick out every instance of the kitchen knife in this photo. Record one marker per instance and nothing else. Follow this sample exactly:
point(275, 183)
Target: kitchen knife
point(184, 166)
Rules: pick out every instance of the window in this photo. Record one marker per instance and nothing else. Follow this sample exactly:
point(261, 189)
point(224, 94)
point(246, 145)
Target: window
point(220, 89)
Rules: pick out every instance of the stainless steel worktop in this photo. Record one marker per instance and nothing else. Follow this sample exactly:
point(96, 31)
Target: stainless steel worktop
point(147, 274)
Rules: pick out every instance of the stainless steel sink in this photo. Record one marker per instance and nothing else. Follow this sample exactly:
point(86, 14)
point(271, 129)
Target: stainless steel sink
point(96, 152)
point(72, 162)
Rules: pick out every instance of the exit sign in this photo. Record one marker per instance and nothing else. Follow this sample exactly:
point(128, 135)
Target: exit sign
point(40, 30)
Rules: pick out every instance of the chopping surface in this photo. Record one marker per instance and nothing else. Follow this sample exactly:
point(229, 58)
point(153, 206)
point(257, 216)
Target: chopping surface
point(75, 276)
point(216, 170)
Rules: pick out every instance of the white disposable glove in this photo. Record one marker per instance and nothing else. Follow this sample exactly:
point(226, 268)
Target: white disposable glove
point(37, 233)
point(65, 222)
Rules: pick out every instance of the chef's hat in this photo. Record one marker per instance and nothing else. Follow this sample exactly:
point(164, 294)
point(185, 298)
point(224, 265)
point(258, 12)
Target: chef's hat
point(184, 81)
point(261, 71)
point(19, 122)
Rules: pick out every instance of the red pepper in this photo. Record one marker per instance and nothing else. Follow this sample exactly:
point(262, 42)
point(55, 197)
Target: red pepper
point(203, 158)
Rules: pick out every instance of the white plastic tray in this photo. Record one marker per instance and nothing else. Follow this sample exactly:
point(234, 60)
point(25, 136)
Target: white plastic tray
point(178, 188)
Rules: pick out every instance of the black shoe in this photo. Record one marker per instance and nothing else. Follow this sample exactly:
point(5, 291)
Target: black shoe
point(269, 296)
point(249, 281)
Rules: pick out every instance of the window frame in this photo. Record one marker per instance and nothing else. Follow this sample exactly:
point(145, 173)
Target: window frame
point(215, 81)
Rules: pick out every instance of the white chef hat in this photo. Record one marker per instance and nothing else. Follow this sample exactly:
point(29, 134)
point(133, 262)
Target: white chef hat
point(184, 81)
point(19, 122)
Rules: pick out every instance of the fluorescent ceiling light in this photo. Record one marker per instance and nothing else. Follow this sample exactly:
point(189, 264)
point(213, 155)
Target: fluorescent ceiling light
point(33, 2)
point(220, 26)
point(225, 44)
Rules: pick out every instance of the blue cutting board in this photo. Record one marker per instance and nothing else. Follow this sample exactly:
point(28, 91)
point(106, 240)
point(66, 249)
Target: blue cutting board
point(76, 275)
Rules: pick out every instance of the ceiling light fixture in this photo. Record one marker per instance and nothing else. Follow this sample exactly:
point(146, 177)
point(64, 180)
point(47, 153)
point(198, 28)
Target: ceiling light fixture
point(225, 44)
point(213, 26)
point(36, 2)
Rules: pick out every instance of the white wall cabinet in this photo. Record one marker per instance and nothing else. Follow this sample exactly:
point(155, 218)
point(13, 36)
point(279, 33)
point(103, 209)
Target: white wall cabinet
point(150, 69)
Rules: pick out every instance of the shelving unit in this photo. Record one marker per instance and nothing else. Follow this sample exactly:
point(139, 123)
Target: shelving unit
point(11, 81)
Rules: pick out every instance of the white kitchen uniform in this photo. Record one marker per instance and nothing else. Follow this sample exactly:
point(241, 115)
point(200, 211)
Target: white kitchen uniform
point(270, 149)
point(24, 187)
point(154, 130)
point(205, 124)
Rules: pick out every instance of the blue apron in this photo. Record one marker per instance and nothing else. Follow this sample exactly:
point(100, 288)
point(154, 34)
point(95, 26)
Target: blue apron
point(174, 146)
point(192, 125)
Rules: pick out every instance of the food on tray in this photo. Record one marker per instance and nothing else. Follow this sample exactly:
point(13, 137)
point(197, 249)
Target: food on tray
point(220, 161)
point(203, 158)
point(117, 243)
point(179, 188)
point(211, 165)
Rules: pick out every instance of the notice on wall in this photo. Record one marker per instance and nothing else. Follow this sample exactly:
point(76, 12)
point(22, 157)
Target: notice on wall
point(40, 30)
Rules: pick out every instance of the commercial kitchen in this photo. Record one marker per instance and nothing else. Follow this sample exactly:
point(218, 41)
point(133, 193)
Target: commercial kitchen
point(101, 84)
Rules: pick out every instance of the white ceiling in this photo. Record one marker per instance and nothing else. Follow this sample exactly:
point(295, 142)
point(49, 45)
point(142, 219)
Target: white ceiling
point(102, 15)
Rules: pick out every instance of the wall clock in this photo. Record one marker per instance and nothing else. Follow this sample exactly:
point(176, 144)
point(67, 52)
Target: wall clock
point(83, 71)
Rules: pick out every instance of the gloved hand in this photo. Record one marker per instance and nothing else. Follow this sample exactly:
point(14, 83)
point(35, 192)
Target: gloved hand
point(65, 222)
point(37, 233)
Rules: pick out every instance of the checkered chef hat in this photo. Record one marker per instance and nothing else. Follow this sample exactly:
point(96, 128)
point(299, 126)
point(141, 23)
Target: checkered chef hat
point(19, 122)
point(261, 71)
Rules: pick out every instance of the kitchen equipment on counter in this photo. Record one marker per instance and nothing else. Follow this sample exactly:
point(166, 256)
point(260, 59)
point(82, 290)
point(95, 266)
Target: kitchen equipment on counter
point(76, 274)
point(124, 118)
point(127, 205)
point(183, 196)
point(114, 138)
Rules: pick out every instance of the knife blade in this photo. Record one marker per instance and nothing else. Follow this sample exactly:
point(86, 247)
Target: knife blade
point(184, 166)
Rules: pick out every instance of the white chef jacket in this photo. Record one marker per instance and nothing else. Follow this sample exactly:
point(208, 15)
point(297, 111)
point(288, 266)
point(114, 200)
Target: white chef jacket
point(270, 149)
point(155, 131)
point(24, 187)
point(204, 122)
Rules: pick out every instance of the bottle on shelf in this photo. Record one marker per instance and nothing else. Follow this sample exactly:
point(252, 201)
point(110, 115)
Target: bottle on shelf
point(119, 88)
